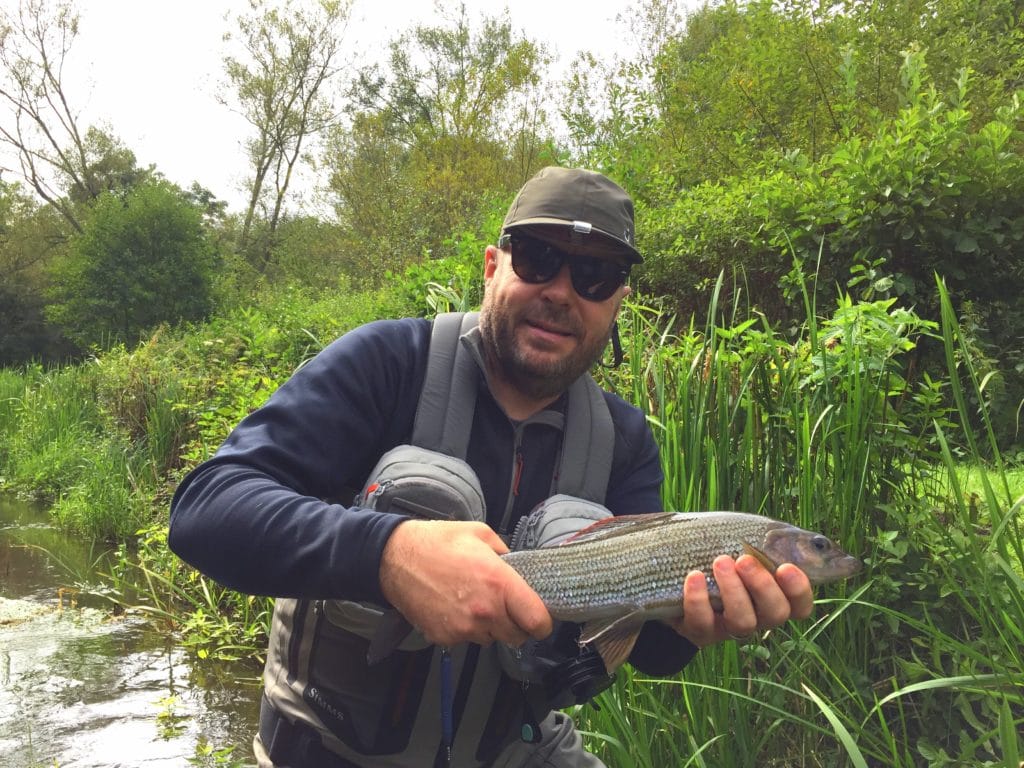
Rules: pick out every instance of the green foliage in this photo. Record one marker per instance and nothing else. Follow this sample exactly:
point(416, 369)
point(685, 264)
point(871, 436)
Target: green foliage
point(743, 81)
point(139, 393)
point(61, 441)
point(141, 260)
point(827, 432)
point(107, 496)
point(108, 166)
point(308, 252)
point(12, 390)
point(932, 192)
point(453, 283)
point(108, 439)
point(52, 423)
point(452, 122)
point(31, 237)
point(929, 192)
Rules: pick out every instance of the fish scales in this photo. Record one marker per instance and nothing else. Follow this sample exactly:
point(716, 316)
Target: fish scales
point(642, 568)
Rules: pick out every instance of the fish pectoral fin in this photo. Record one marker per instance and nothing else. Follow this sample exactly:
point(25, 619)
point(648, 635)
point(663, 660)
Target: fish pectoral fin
point(392, 630)
point(613, 638)
point(767, 562)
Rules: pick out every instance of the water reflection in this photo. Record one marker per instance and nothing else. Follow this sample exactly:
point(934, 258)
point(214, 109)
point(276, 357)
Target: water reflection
point(80, 689)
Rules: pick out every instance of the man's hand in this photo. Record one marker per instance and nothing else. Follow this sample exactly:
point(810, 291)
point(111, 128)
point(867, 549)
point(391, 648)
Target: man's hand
point(447, 580)
point(753, 599)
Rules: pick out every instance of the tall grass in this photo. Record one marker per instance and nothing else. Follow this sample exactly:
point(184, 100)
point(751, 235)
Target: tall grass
point(107, 440)
point(12, 390)
point(920, 661)
point(62, 442)
point(48, 427)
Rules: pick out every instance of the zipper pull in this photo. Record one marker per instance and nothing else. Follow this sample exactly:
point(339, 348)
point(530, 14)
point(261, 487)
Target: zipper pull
point(446, 704)
point(518, 472)
point(373, 491)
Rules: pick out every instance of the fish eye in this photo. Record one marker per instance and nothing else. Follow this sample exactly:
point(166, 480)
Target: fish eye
point(821, 543)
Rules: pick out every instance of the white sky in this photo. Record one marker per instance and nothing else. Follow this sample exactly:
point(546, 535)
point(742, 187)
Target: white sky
point(151, 69)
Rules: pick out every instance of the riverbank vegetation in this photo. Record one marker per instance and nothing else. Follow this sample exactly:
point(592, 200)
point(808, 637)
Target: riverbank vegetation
point(827, 329)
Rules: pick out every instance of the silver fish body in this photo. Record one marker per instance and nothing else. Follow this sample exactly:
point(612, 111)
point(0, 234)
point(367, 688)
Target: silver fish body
point(623, 571)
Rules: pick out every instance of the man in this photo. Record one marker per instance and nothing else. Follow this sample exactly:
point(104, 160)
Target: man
point(262, 515)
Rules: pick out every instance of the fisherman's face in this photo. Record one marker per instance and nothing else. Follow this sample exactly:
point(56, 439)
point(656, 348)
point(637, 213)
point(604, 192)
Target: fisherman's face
point(540, 337)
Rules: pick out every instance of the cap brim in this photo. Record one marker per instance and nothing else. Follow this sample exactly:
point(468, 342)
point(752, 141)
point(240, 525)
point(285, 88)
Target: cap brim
point(538, 224)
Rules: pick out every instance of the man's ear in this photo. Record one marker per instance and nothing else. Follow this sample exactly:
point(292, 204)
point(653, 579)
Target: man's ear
point(490, 261)
point(623, 293)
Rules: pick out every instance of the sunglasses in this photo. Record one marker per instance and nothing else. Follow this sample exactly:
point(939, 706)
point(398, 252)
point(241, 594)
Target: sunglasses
point(535, 261)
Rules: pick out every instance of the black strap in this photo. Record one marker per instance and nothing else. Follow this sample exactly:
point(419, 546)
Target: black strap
point(295, 745)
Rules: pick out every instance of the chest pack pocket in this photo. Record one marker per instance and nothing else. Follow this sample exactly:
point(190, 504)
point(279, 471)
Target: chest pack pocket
point(415, 481)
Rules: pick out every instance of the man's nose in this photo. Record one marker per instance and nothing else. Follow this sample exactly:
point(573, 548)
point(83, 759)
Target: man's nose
point(559, 288)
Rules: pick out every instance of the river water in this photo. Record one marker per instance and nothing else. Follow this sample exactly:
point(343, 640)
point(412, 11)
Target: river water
point(80, 688)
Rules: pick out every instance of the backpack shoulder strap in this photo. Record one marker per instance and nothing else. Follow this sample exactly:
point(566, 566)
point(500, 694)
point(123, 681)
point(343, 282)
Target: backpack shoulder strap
point(444, 414)
point(588, 443)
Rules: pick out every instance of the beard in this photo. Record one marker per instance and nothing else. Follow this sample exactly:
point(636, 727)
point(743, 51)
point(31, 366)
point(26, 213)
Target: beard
point(538, 379)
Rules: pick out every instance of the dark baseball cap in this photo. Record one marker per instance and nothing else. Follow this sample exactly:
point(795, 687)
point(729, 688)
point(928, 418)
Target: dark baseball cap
point(584, 201)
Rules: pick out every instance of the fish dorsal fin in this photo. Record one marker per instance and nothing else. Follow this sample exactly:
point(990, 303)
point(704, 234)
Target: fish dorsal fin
point(620, 525)
point(613, 638)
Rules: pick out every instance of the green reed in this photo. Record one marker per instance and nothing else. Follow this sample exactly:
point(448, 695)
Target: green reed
point(48, 427)
point(823, 429)
point(12, 389)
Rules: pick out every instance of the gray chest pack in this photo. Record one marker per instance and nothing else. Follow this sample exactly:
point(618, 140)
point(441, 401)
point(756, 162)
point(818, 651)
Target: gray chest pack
point(314, 671)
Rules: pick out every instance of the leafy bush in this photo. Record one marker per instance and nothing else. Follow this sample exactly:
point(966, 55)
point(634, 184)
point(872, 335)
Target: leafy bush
point(455, 282)
point(930, 193)
point(142, 259)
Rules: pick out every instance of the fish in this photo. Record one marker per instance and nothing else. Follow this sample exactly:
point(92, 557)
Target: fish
point(621, 572)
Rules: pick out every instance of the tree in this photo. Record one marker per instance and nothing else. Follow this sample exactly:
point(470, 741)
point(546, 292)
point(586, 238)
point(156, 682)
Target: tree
point(746, 82)
point(31, 237)
point(608, 106)
point(309, 252)
point(453, 121)
point(374, 198)
point(64, 164)
point(142, 259)
point(290, 55)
